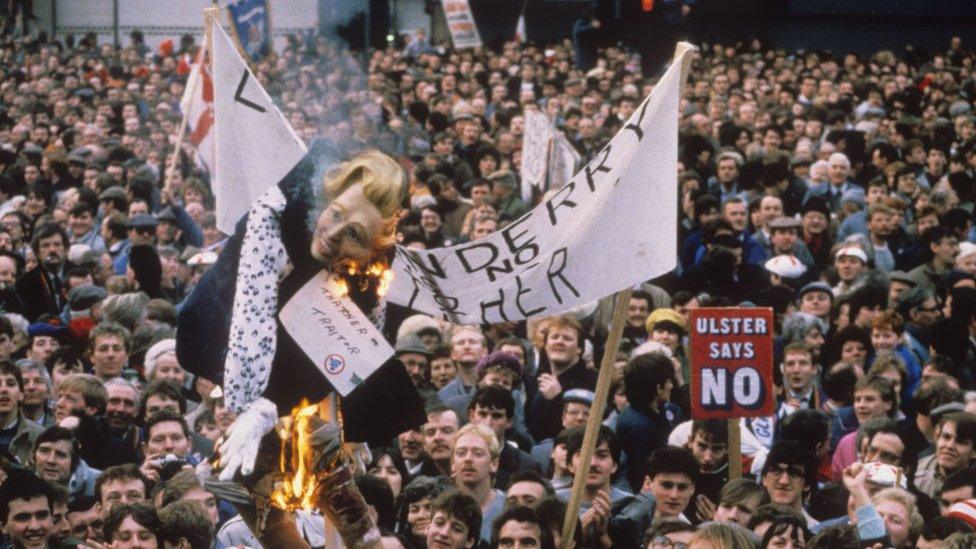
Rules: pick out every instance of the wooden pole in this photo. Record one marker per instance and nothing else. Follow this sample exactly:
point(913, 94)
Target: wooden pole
point(735, 449)
point(332, 538)
point(209, 14)
point(596, 413)
point(606, 374)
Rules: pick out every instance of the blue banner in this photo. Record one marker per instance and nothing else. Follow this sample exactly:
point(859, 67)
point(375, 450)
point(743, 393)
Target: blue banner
point(251, 24)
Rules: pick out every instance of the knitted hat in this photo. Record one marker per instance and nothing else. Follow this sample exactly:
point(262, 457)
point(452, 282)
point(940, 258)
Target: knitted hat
point(500, 358)
point(667, 318)
point(965, 511)
point(411, 343)
point(159, 349)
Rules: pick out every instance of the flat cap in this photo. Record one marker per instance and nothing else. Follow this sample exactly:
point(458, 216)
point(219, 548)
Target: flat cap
point(784, 222)
point(142, 221)
point(112, 193)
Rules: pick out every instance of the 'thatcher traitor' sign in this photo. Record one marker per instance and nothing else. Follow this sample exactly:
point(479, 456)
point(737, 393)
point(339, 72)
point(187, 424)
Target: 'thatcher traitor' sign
point(334, 333)
point(732, 363)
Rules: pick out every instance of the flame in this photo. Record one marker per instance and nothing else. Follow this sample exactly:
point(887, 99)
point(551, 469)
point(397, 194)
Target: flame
point(298, 487)
point(342, 286)
point(376, 274)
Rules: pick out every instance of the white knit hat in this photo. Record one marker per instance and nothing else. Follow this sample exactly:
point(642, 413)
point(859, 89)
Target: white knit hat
point(159, 349)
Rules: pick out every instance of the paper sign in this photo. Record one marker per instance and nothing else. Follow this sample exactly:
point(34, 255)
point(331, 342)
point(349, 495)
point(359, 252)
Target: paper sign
point(732, 363)
point(460, 21)
point(335, 335)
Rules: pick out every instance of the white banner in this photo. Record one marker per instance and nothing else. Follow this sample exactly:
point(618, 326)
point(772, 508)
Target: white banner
point(255, 145)
point(563, 161)
point(460, 21)
point(535, 152)
point(614, 225)
point(335, 335)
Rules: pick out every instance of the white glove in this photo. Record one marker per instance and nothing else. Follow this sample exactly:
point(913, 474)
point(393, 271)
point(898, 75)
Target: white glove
point(240, 449)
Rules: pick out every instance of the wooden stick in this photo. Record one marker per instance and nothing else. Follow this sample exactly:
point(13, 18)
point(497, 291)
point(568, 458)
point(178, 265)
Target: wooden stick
point(596, 413)
point(735, 449)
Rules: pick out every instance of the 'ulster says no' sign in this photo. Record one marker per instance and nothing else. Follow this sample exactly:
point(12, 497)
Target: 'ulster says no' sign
point(732, 363)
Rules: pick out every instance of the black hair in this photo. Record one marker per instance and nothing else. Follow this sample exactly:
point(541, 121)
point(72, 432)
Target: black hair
point(808, 428)
point(575, 443)
point(529, 475)
point(378, 493)
point(790, 453)
point(163, 416)
point(783, 524)
point(493, 397)
point(419, 488)
point(643, 375)
point(943, 527)
point(56, 433)
point(461, 507)
point(22, 484)
point(521, 513)
point(165, 388)
point(671, 459)
point(142, 513)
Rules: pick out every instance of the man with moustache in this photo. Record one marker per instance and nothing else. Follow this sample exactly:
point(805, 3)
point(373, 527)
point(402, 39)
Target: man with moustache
point(41, 288)
point(474, 461)
point(442, 424)
point(709, 444)
point(565, 371)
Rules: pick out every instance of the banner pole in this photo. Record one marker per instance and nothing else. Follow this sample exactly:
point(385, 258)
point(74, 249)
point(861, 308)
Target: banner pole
point(735, 449)
point(191, 90)
point(596, 414)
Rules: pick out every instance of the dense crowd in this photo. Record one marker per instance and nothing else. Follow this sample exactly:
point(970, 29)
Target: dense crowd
point(836, 189)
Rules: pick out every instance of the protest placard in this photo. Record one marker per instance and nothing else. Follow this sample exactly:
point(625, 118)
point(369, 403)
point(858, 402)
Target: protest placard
point(732, 363)
point(611, 227)
point(460, 21)
point(337, 337)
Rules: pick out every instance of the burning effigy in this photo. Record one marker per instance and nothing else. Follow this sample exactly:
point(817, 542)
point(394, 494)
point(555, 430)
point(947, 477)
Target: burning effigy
point(289, 448)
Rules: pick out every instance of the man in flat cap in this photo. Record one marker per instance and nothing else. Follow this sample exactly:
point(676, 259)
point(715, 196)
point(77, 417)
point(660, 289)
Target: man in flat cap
point(504, 189)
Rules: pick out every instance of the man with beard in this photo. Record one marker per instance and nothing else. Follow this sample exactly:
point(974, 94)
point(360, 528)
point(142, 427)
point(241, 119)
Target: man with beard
point(709, 443)
point(40, 289)
point(563, 345)
point(17, 433)
point(889, 254)
point(56, 460)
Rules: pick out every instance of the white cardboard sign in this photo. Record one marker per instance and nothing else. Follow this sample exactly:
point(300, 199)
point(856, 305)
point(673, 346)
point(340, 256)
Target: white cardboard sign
point(335, 335)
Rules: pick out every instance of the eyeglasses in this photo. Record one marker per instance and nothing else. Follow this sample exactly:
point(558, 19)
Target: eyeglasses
point(664, 542)
point(793, 471)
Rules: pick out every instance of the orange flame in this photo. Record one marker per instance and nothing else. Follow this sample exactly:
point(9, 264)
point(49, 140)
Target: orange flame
point(298, 488)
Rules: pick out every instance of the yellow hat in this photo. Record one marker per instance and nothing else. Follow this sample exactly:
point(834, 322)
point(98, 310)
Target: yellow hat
point(665, 315)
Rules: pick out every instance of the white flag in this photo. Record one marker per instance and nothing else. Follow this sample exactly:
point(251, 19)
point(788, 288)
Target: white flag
point(535, 153)
point(255, 145)
point(614, 225)
point(520, 28)
point(562, 161)
point(197, 107)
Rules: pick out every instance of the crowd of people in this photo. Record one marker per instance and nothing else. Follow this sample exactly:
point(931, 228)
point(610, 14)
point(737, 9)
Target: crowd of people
point(837, 190)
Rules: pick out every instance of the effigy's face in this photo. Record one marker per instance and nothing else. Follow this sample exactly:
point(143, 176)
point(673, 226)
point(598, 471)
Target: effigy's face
point(347, 229)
